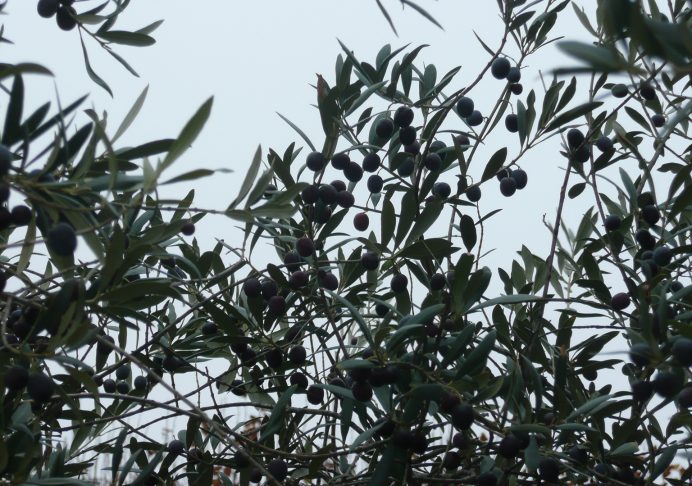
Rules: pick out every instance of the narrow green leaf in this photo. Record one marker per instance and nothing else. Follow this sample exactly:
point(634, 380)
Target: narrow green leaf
point(521, 19)
point(535, 428)
point(260, 187)
point(127, 38)
point(426, 219)
point(568, 94)
point(190, 176)
point(113, 261)
point(287, 196)
point(364, 96)
point(506, 299)
point(494, 164)
point(598, 58)
point(487, 49)
point(576, 189)
point(390, 467)
point(521, 121)
point(27, 247)
point(587, 407)
point(276, 420)
point(132, 114)
point(118, 453)
point(422, 11)
point(123, 62)
point(664, 461)
point(549, 103)
point(476, 359)
point(638, 118)
point(468, 231)
point(15, 109)
point(537, 386)
point(356, 316)
point(409, 210)
point(150, 28)
point(299, 131)
point(240, 215)
point(405, 70)
point(462, 270)
point(446, 79)
point(365, 436)
point(352, 364)
point(461, 340)
point(145, 150)
point(399, 337)
point(337, 390)
point(58, 482)
point(274, 211)
point(426, 314)
point(188, 134)
point(626, 449)
point(363, 119)
point(145, 473)
point(573, 114)
point(532, 455)
point(428, 79)
point(388, 222)
point(387, 16)
point(356, 63)
point(7, 70)
point(92, 74)
point(430, 248)
point(575, 427)
point(252, 172)
point(474, 289)
point(584, 20)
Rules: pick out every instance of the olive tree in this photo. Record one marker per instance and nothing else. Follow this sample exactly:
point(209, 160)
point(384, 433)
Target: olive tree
point(377, 347)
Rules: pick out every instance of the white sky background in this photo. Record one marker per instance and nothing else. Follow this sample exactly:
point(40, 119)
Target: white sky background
point(259, 57)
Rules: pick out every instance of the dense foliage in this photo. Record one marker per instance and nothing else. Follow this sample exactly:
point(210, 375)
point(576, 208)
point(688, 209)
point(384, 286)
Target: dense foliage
point(376, 348)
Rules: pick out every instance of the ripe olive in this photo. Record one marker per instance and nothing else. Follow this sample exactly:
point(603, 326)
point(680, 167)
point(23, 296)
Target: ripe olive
point(403, 116)
point(316, 161)
point(176, 447)
point(385, 128)
point(500, 68)
point(465, 106)
point(62, 239)
point(40, 387)
point(371, 162)
point(620, 301)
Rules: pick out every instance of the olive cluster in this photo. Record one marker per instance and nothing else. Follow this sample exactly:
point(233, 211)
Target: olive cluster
point(646, 92)
point(123, 382)
point(61, 238)
point(277, 467)
point(62, 10)
point(19, 215)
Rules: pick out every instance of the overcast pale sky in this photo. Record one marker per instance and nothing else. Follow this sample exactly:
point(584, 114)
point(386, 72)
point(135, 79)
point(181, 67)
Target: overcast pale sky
point(256, 58)
point(259, 57)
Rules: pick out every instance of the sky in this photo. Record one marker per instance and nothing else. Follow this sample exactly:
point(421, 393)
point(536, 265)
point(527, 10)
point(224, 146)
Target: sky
point(260, 57)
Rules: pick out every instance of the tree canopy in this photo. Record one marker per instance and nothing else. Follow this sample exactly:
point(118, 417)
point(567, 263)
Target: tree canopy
point(378, 346)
